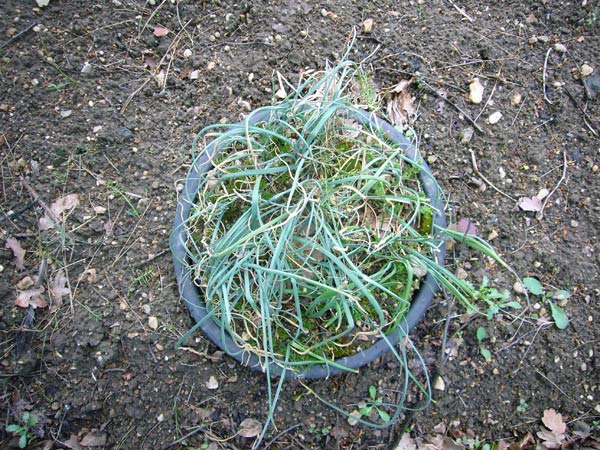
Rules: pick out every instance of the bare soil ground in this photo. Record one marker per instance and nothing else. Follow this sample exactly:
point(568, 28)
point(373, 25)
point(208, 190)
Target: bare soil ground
point(94, 103)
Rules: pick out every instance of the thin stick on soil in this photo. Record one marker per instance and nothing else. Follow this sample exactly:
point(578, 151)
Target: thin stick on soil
point(39, 200)
point(17, 36)
point(488, 182)
point(461, 11)
point(518, 112)
point(183, 438)
point(586, 117)
point(278, 435)
point(544, 76)
point(540, 214)
point(455, 106)
point(488, 100)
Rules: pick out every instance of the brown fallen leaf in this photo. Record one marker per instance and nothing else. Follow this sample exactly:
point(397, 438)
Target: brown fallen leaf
point(59, 287)
point(464, 226)
point(57, 208)
point(93, 439)
point(406, 443)
point(18, 252)
point(160, 31)
point(73, 443)
point(401, 105)
point(31, 297)
point(250, 428)
point(554, 436)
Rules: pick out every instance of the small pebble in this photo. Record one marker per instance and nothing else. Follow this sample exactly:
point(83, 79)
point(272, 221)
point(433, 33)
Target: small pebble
point(65, 113)
point(146, 309)
point(439, 384)
point(560, 47)
point(367, 26)
point(466, 135)
point(187, 53)
point(516, 99)
point(518, 288)
point(1, 268)
point(153, 322)
point(574, 223)
point(495, 117)
point(586, 70)
point(583, 367)
point(87, 68)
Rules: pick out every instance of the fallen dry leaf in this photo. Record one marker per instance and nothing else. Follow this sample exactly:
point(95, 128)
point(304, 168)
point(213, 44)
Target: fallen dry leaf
point(554, 421)
point(406, 443)
point(31, 297)
point(93, 439)
point(18, 252)
point(464, 226)
point(554, 436)
point(73, 443)
point(250, 428)
point(59, 287)
point(57, 208)
point(401, 105)
point(530, 204)
point(160, 31)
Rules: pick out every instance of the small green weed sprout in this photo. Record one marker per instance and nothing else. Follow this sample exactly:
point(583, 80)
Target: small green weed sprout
point(24, 430)
point(481, 336)
point(522, 406)
point(117, 190)
point(375, 402)
point(534, 287)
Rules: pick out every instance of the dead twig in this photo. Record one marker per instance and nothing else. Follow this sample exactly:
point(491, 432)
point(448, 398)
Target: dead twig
point(461, 11)
point(488, 182)
point(488, 99)
point(544, 76)
point(17, 36)
point(455, 106)
point(586, 118)
point(39, 200)
point(540, 214)
point(183, 438)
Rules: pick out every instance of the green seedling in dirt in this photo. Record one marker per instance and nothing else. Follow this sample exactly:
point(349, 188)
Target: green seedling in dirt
point(481, 335)
point(375, 402)
point(118, 191)
point(494, 299)
point(143, 277)
point(319, 433)
point(23, 430)
point(534, 287)
point(522, 407)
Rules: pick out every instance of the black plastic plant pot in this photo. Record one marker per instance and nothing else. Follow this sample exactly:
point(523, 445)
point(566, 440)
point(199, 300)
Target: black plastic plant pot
point(193, 296)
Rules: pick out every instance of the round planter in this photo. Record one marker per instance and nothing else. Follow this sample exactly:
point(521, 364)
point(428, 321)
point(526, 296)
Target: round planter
point(192, 296)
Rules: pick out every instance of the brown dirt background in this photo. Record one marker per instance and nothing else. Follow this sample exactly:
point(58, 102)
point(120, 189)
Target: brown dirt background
point(95, 366)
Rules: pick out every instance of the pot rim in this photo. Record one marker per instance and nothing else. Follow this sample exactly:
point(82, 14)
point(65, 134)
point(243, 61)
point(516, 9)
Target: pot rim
point(191, 295)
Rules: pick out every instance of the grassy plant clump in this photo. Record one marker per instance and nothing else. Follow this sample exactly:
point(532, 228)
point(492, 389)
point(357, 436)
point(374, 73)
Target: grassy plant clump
point(310, 230)
point(304, 231)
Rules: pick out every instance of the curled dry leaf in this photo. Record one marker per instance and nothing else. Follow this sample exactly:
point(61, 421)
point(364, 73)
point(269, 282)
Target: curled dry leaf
point(57, 208)
point(160, 31)
point(18, 251)
point(250, 428)
point(406, 443)
point(60, 286)
point(464, 226)
point(530, 203)
point(554, 421)
point(401, 105)
point(93, 439)
point(554, 436)
point(31, 297)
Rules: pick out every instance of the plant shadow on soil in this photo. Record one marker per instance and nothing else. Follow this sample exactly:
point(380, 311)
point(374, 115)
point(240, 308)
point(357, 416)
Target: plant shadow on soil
point(81, 112)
